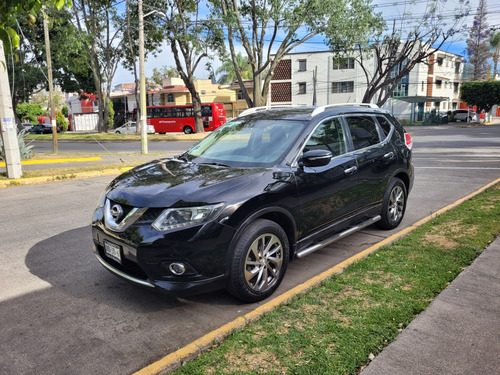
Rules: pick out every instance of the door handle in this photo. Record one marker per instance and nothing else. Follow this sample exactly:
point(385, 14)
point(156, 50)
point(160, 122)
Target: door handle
point(389, 155)
point(351, 170)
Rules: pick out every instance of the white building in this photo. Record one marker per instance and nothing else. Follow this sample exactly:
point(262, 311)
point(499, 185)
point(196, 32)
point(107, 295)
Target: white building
point(309, 78)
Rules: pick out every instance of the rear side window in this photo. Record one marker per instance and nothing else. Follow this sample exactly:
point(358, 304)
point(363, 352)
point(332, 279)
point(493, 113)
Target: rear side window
point(385, 125)
point(364, 132)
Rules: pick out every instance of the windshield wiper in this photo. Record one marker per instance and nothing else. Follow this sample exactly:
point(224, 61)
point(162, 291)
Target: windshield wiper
point(216, 164)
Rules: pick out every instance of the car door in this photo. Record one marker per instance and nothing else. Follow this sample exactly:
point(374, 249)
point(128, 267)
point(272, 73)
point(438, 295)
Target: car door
point(375, 157)
point(328, 192)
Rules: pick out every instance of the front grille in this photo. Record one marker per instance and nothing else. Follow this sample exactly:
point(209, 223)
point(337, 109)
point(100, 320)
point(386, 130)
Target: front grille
point(150, 215)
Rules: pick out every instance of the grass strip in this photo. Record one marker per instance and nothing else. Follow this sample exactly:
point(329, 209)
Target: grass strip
point(336, 327)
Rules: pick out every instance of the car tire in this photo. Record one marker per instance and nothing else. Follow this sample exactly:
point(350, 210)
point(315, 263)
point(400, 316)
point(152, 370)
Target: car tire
point(187, 130)
point(259, 263)
point(393, 204)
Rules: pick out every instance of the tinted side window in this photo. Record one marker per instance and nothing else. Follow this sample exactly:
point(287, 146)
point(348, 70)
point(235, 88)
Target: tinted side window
point(330, 136)
point(385, 125)
point(364, 131)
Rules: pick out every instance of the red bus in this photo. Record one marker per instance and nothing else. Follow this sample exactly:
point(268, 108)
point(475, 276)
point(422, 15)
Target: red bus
point(180, 118)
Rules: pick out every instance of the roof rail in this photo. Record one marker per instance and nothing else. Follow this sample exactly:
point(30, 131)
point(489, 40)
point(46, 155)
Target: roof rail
point(323, 108)
point(264, 108)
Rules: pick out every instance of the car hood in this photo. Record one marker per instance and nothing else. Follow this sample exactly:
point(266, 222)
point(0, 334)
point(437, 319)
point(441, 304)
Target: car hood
point(170, 183)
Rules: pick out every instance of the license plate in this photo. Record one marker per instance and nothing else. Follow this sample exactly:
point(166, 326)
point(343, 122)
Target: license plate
point(113, 251)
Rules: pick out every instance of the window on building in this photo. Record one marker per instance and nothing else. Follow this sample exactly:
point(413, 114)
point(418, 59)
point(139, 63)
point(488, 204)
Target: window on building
point(302, 88)
point(342, 87)
point(203, 92)
point(455, 87)
point(170, 98)
point(344, 63)
point(302, 65)
point(423, 85)
point(401, 89)
point(439, 61)
point(439, 83)
point(240, 95)
point(457, 67)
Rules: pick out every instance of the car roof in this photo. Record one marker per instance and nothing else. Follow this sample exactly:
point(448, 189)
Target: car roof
point(307, 113)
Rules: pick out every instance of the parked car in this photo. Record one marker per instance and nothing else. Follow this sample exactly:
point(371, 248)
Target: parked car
point(468, 115)
point(26, 126)
point(265, 188)
point(131, 128)
point(42, 129)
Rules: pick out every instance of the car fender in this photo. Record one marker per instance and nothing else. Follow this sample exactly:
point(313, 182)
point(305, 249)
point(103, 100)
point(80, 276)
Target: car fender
point(270, 214)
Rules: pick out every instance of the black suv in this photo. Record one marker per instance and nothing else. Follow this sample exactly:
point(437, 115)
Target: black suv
point(265, 188)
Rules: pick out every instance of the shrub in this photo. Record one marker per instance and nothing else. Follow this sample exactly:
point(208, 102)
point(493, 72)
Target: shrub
point(25, 151)
point(61, 121)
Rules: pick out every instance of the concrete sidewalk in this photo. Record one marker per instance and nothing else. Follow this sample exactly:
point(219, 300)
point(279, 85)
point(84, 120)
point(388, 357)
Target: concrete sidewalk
point(459, 333)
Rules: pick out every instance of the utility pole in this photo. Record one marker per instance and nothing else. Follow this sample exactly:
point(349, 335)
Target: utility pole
point(51, 83)
point(8, 123)
point(315, 80)
point(142, 83)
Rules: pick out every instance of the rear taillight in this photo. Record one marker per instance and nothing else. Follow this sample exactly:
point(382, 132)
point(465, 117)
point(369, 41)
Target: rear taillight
point(408, 141)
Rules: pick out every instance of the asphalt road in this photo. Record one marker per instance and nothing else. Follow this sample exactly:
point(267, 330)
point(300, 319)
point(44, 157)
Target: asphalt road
point(63, 313)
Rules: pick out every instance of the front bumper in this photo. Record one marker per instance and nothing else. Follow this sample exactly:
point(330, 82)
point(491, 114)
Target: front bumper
point(146, 256)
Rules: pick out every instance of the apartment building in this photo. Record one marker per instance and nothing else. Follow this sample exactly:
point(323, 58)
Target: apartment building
point(315, 78)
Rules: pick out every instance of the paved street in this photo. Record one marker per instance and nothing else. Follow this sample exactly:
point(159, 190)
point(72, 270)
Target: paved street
point(63, 313)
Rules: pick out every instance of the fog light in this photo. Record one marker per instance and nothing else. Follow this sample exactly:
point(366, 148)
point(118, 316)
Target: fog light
point(177, 268)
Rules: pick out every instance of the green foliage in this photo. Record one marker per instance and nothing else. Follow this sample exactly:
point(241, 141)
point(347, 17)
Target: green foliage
point(64, 110)
point(484, 95)
point(25, 151)
point(70, 65)
point(10, 10)
point(111, 114)
point(228, 72)
point(61, 121)
point(29, 112)
point(162, 73)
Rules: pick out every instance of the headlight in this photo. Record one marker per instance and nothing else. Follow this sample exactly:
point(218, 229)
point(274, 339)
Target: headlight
point(175, 218)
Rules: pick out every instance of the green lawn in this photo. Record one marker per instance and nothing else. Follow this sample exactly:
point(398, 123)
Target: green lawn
point(336, 327)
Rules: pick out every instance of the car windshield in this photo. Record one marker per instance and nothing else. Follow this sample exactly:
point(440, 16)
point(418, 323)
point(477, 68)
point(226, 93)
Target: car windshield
point(247, 142)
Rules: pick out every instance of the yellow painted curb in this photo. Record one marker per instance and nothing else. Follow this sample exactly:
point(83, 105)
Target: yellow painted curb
point(67, 177)
point(197, 347)
point(52, 161)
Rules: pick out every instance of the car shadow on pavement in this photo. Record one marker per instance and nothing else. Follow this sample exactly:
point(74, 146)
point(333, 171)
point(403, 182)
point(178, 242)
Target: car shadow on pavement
point(67, 262)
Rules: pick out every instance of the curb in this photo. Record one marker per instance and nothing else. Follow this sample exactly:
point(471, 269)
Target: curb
point(191, 351)
point(52, 161)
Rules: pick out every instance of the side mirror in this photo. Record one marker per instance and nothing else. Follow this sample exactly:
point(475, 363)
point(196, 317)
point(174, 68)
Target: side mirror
point(316, 158)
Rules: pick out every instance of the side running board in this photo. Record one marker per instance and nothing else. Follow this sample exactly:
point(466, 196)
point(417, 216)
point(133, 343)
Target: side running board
point(338, 236)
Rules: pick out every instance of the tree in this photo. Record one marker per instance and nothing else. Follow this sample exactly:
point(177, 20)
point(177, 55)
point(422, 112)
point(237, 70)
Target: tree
point(162, 73)
point(495, 45)
point(228, 72)
point(27, 64)
point(389, 57)
point(484, 95)
point(269, 29)
point(29, 112)
point(100, 27)
point(478, 47)
point(9, 10)
point(192, 41)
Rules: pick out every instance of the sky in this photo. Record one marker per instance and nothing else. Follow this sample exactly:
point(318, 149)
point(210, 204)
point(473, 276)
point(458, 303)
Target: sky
point(403, 12)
